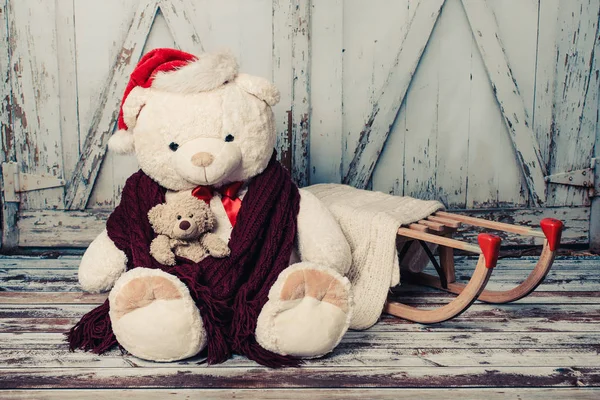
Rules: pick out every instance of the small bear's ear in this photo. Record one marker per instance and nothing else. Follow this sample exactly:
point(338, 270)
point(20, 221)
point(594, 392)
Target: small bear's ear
point(259, 87)
point(122, 140)
point(159, 220)
point(201, 208)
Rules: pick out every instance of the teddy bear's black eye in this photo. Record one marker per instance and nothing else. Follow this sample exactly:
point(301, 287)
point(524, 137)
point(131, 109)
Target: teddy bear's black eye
point(229, 138)
point(191, 215)
point(179, 217)
point(173, 146)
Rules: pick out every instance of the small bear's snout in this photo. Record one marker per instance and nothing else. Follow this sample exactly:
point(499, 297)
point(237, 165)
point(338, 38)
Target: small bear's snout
point(184, 225)
point(202, 159)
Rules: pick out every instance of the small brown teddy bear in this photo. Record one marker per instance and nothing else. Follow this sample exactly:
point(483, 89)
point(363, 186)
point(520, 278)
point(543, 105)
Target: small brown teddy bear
point(183, 226)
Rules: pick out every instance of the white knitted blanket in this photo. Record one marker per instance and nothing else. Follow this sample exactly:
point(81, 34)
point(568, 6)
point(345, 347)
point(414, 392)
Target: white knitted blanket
point(370, 221)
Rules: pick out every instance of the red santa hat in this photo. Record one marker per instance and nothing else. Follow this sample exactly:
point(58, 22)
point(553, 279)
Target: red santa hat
point(174, 71)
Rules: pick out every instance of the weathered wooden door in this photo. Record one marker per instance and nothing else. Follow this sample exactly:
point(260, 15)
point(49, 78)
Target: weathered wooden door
point(473, 102)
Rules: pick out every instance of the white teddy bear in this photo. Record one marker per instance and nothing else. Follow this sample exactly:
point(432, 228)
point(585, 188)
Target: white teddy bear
point(196, 124)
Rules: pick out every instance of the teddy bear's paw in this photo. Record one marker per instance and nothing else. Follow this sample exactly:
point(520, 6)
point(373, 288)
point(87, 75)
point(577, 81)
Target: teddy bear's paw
point(101, 265)
point(154, 317)
point(161, 250)
point(308, 312)
point(215, 245)
point(220, 251)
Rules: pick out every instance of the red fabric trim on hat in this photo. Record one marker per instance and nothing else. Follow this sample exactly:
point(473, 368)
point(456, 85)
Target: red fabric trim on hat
point(157, 60)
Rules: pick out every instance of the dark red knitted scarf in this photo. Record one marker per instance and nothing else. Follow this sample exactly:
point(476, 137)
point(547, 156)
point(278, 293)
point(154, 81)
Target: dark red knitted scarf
point(229, 292)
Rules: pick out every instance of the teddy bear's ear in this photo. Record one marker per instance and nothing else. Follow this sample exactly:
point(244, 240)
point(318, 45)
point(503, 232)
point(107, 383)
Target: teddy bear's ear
point(122, 141)
point(158, 219)
point(259, 87)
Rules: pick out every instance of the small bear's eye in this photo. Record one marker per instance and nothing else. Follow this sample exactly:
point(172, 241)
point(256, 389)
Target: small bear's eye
point(179, 217)
point(191, 215)
point(173, 146)
point(229, 138)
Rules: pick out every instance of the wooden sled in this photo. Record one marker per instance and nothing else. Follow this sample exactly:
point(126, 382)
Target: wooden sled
point(438, 229)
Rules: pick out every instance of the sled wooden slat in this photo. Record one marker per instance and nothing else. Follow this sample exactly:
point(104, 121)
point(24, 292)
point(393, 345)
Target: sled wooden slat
point(419, 227)
point(475, 288)
point(484, 223)
point(434, 226)
point(446, 221)
point(440, 240)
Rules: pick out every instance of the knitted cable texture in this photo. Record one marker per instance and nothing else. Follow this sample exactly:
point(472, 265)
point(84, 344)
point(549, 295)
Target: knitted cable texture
point(370, 222)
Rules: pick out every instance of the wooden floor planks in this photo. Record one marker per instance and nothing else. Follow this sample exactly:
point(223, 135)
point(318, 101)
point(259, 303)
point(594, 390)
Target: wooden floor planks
point(544, 346)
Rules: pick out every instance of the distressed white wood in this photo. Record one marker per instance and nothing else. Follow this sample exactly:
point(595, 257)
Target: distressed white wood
point(32, 318)
point(494, 179)
point(470, 160)
point(485, 31)
point(67, 73)
point(9, 236)
point(326, 121)
point(283, 18)
point(255, 36)
point(576, 220)
point(290, 378)
point(517, 23)
point(576, 97)
point(333, 394)
point(518, 33)
point(581, 264)
point(79, 228)
point(564, 281)
point(453, 101)
point(595, 207)
point(94, 146)
point(35, 96)
point(181, 25)
point(348, 354)
point(421, 123)
point(389, 173)
point(116, 168)
point(96, 55)
point(545, 77)
point(412, 340)
point(301, 54)
point(386, 108)
point(358, 55)
point(582, 278)
point(488, 142)
point(61, 229)
point(548, 339)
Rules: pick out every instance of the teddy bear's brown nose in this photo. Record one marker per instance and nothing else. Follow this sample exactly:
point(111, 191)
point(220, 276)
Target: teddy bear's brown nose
point(184, 225)
point(202, 159)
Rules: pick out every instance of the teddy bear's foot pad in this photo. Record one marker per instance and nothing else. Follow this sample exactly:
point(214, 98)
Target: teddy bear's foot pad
point(308, 312)
point(154, 317)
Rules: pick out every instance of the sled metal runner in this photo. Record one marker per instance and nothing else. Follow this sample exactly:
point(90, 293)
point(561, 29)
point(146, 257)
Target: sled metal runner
point(438, 229)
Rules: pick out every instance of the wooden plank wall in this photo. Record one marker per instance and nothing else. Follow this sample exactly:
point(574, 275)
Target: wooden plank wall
point(456, 146)
point(8, 211)
point(449, 139)
point(36, 132)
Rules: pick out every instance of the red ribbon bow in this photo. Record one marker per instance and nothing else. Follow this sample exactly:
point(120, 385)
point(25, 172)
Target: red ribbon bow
point(231, 202)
